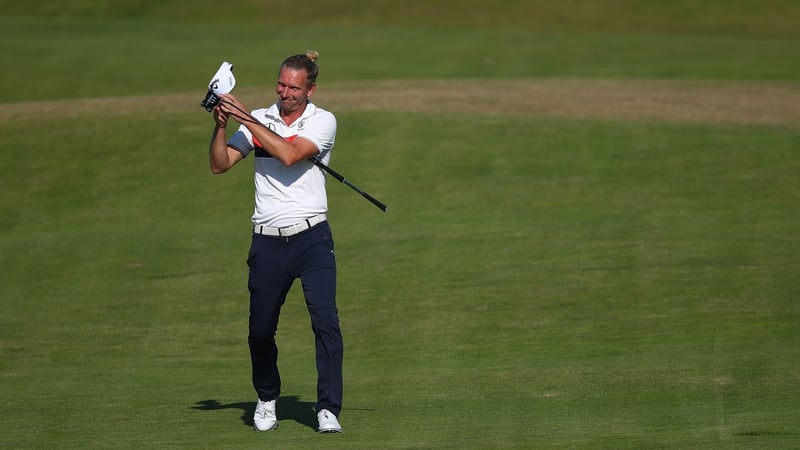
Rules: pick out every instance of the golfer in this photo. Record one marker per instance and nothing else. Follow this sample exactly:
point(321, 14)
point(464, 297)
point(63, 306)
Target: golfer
point(291, 236)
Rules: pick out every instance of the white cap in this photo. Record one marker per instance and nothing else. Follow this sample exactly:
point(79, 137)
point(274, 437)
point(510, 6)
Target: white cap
point(223, 81)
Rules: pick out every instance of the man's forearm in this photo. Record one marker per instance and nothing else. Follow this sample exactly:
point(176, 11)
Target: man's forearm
point(288, 153)
point(218, 151)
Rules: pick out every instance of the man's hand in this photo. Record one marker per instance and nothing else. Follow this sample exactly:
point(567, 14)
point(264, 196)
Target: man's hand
point(220, 117)
point(231, 106)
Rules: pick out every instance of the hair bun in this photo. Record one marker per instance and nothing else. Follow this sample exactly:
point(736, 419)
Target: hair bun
point(312, 55)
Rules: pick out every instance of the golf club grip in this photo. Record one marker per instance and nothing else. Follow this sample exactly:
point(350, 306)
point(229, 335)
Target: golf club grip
point(375, 202)
point(330, 171)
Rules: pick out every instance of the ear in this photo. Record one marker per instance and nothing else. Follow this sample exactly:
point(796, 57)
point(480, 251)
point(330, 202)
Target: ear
point(312, 89)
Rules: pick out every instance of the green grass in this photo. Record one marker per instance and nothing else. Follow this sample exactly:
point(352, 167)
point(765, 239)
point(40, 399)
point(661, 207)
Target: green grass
point(764, 18)
point(593, 284)
point(537, 283)
point(56, 58)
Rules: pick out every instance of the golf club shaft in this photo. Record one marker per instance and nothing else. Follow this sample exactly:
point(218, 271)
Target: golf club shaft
point(342, 179)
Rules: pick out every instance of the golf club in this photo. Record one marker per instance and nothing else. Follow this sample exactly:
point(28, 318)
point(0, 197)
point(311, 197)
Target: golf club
point(342, 179)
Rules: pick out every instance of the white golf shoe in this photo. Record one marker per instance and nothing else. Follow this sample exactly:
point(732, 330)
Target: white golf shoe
point(265, 418)
point(328, 422)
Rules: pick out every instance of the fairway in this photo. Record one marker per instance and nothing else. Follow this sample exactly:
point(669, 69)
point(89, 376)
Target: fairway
point(591, 245)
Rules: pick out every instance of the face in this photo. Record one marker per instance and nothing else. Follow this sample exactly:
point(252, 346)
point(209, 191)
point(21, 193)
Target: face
point(293, 89)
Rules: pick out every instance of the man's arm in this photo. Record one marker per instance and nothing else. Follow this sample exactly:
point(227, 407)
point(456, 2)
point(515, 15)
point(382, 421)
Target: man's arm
point(221, 157)
point(288, 153)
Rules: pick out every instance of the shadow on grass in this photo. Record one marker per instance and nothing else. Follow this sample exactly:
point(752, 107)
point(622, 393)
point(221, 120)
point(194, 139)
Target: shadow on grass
point(288, 408)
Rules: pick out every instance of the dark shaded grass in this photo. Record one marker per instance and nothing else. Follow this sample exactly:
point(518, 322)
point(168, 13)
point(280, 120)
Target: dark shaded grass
point(52, 59)
point(775, 18)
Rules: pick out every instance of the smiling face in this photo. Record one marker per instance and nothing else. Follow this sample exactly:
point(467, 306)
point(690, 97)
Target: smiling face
point(293, 91)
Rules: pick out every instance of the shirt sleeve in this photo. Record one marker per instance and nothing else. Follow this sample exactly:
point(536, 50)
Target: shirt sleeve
point(242, 141)
point(321, 130)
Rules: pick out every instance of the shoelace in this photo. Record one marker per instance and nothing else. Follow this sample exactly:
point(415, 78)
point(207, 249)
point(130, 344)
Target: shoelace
point(261, 410)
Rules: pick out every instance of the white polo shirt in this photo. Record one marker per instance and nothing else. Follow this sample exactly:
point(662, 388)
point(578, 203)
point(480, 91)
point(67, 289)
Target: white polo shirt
point(288, 195)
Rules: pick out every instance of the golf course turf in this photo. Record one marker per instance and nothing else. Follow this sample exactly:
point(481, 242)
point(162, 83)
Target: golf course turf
point(592, 239)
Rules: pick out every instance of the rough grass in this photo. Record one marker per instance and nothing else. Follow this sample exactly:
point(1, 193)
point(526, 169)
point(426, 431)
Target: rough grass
point(740, 103)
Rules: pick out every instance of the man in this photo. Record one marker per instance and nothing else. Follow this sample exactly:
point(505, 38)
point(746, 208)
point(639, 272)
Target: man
point(291, 236)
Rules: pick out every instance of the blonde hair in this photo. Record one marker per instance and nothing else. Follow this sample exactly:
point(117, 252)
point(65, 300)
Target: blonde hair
point(312, 55)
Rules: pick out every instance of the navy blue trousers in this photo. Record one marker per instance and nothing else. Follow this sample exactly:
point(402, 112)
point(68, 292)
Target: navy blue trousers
point(274, 264)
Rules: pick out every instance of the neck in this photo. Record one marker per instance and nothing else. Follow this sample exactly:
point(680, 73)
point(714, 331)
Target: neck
point(290, 116)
